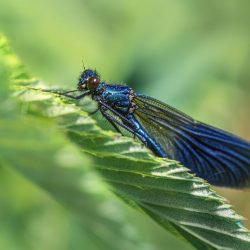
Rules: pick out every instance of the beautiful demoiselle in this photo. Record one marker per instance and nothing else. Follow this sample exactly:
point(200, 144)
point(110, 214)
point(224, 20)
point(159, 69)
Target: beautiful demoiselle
point(217, 156)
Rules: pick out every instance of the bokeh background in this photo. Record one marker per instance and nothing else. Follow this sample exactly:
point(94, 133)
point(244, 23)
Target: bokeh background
point(192, 54)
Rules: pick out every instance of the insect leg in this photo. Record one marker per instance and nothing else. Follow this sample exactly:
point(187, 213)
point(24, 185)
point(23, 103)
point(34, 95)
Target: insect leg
point(125, 121)
point(76, 97)
point(67, 93)
point(123, 118)
point(57, 92)
point(111, 121)
point(131, 130)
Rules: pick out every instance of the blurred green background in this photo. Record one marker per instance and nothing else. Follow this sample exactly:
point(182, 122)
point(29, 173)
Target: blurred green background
point(194, 55)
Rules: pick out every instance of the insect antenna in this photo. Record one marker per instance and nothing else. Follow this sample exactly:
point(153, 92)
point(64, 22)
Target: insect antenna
point(83, 65)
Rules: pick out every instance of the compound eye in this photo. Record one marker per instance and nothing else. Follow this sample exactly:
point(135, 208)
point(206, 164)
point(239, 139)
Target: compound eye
point(93, 82)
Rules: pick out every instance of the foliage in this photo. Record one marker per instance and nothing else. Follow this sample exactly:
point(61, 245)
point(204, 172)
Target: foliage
point(33, 145)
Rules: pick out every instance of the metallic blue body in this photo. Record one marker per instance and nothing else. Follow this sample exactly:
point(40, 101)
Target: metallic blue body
point(115, 95)
point(118, 97)
point(219, 157)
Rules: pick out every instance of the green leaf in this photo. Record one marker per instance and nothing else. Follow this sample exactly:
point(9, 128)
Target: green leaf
point(32, 145)
point(163, 189)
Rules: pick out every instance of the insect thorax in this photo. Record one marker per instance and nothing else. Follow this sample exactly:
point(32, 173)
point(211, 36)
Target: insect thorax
point(119, 97)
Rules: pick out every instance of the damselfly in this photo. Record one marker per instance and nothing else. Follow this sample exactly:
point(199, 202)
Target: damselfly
point(217, 156)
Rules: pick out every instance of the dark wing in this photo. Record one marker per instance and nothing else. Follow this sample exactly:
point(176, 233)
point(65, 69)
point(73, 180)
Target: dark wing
point(212, 154)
